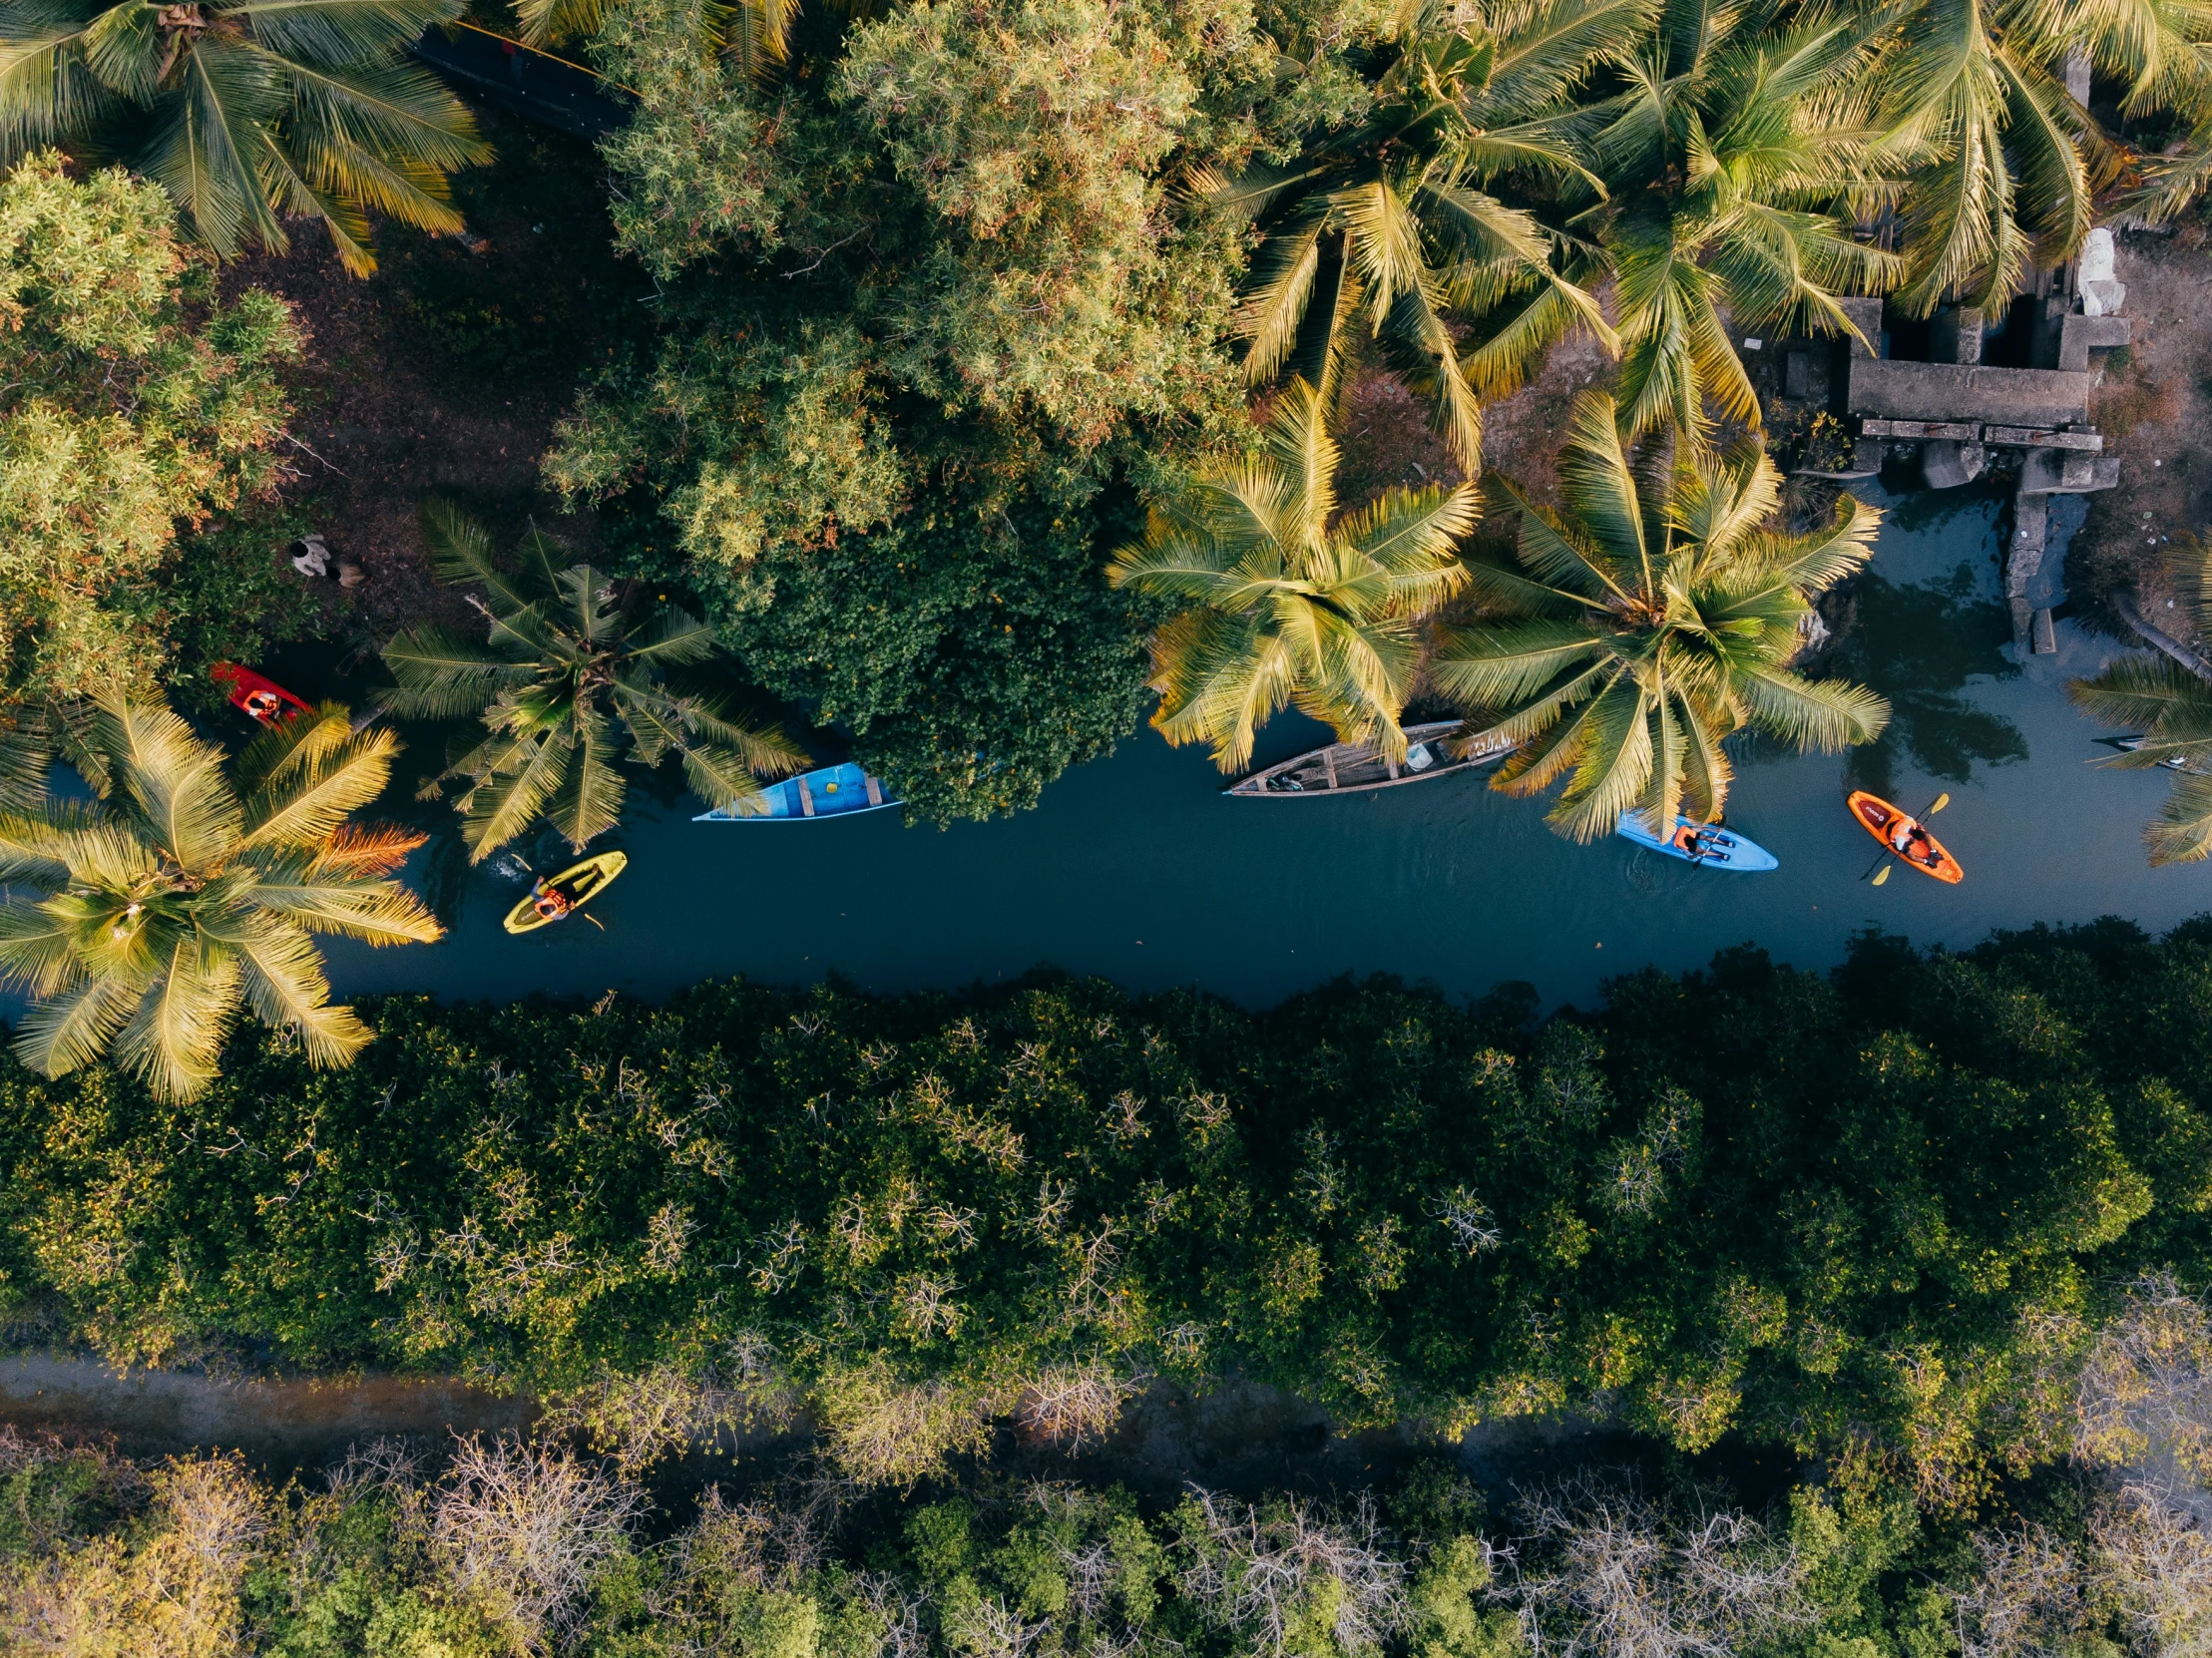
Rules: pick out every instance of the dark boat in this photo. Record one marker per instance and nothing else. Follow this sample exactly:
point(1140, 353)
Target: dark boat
point(1348, 767)
point(2195, 766)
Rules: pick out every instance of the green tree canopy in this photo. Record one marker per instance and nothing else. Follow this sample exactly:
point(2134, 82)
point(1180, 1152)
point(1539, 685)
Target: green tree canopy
point(1875, 1210)
point(134, 407)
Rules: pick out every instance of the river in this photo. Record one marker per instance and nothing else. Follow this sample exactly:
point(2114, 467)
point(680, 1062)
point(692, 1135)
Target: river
point(1136, 869)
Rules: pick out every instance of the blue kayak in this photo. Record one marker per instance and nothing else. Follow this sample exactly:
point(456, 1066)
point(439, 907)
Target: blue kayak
point(1718, 847)
point(833, 791)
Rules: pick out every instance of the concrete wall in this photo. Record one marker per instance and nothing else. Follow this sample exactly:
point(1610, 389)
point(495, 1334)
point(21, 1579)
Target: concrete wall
point(2033, 397)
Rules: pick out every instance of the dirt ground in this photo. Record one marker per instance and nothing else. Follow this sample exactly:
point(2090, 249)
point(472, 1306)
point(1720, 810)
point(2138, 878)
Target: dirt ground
point(1387, 439)
point(445, 373)
point(2153, 403)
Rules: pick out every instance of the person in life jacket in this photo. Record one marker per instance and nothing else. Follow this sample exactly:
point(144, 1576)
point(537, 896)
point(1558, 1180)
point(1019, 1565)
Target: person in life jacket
point(1688, 839)
point(264, 705)
point(551, 902)
point(1909, 840)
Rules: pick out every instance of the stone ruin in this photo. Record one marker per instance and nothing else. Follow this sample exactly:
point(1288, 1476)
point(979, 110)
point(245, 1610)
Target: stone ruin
point(1953, 393)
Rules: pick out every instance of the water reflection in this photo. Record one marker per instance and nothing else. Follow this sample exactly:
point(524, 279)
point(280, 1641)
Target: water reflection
point(1920, 645)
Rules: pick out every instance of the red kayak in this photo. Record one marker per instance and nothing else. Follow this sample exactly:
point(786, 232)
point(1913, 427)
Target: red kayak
point(253, 695)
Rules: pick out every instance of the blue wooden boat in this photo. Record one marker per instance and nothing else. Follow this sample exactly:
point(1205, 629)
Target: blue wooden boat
point(1718, 847)
point(832, 791)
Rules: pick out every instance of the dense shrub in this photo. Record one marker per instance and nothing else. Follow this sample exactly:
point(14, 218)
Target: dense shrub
point(1868, 1208)
point(137, 410)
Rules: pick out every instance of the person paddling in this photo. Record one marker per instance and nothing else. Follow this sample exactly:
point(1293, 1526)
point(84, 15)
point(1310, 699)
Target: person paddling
point(262, 706)
point(552, 902)
point(1909, 840)
point(1689, 841)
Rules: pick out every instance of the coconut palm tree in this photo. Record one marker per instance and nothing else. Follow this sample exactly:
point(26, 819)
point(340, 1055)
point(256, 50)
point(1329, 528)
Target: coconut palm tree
point(177, 898)
point(1641, 627)
point(1382, 229)
point(1293, 602)
point(571, 678)
point(2005, 165)
point(247, 112)
point(2173, 708)
point(1732, 147)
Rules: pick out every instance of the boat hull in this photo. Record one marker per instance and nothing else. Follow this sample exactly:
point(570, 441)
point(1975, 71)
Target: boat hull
point(582, 882)
point(830, 791)
point(1355, 768)
point(1727, 850)
point(1879, 818)
point(244, 682)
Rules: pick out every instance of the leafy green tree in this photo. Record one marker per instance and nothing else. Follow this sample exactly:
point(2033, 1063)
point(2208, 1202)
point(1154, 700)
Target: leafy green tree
point(248, 114)
point(2172, 707)
point(1645, 623)
point(573, 678)
point(135, 405)
point(180, 899)
point(1383, 227)
point(1293, 602)
point(934, 305)
point(973, 659)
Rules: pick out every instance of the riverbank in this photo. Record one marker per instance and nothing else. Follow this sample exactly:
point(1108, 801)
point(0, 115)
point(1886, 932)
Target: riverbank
point(923, 1219)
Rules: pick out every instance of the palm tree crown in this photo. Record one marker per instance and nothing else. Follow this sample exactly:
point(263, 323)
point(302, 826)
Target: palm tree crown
point(1295, 603)
point(2173, 706)
point(1384, 227)
point(568, 681)
point(1731, 150)
point(171, 902)
point(247, 111)
point(1645, 624)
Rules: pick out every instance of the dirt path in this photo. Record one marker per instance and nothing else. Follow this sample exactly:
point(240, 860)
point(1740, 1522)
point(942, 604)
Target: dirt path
point(1240, 1437)
point(2153, 403)
point(279, 1424)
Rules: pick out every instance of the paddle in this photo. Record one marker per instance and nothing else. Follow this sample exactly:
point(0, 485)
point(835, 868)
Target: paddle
point(1882, 863)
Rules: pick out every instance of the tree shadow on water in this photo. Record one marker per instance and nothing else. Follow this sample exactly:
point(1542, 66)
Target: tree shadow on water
point(1919, 646)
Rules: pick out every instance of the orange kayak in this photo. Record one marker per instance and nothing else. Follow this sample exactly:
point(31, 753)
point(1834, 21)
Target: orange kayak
point(1885, 823)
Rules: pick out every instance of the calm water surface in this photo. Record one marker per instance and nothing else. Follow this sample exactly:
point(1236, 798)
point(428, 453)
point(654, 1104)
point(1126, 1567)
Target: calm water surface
point(1136, 869)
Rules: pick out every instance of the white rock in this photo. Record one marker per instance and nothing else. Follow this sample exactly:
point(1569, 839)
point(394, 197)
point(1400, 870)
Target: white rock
point(2096, 257)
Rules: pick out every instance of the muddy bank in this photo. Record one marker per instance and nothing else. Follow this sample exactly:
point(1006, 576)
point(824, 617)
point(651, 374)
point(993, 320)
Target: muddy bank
point(279, 1424)
point(1241, 1437)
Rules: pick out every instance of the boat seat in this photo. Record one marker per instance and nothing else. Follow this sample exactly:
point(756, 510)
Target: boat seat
point(806, 799)
point(875, 792)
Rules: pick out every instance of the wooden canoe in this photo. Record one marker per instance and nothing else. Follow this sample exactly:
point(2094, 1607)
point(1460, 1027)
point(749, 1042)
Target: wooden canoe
point(1353, 767)
point(578, 884)
point(1884, 822)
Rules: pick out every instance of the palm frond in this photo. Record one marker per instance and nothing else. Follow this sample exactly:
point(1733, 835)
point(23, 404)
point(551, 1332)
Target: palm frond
point(2182, 831)
point(1824, 715)
point(174, 781)
point(175, 1035)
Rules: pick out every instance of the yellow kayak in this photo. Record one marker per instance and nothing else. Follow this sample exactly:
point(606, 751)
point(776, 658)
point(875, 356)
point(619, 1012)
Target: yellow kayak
point(578, 885)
